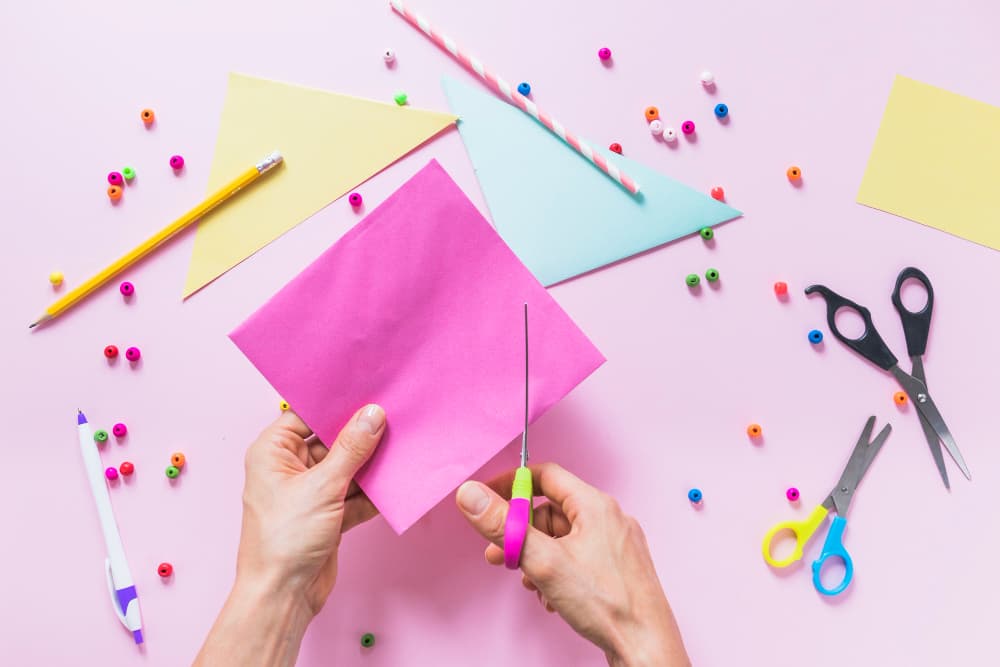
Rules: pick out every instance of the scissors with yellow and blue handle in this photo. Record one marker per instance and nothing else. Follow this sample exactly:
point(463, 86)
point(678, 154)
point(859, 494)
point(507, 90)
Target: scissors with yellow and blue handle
point(520, 513)
point(838, 501)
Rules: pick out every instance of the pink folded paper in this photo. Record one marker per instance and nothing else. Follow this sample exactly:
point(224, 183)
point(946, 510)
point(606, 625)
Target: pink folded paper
point(419, 309)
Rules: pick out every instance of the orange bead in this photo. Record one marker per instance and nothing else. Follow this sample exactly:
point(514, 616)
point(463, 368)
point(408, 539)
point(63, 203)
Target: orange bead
point(177, 460)
point(652, 113)
point(900, 398)
point(754, 430)
point(794, 174)
point(148, 116)
point(114, 193)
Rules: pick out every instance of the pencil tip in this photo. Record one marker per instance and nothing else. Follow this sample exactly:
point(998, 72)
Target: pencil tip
point(33, 325)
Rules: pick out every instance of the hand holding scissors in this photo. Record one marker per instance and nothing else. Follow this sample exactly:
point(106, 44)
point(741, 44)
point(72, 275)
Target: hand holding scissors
point(838, 501)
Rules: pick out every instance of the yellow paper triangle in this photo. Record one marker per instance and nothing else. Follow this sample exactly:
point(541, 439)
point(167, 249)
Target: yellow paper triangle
point(330, 143)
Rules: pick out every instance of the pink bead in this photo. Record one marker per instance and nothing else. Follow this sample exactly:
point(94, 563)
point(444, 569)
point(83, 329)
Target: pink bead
point(126, 288)
point(355, 199)
point(120, 430)
point(115, 178)
point(111, 473)
point(792, 494)
point(176, 162)
point(604, 53)
point(133, 354)
point(687, 127)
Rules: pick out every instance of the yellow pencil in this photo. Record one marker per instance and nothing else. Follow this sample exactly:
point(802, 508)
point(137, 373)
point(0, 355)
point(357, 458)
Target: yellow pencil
point(150, 244)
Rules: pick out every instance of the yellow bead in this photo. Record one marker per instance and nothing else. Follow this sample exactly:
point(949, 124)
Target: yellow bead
point(56, 278)
point(284, 406)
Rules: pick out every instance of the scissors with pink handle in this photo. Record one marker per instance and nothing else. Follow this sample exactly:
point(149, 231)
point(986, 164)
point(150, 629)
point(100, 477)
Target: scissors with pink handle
point(520, 513)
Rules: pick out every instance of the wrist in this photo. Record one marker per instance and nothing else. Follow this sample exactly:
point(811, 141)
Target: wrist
point(648, 646)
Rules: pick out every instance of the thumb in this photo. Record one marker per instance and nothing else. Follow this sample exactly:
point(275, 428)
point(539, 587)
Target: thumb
point(354, 445)
point(487, 512)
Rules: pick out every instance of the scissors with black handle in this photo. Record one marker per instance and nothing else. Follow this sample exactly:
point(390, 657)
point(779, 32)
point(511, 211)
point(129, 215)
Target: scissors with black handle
point(870, 345)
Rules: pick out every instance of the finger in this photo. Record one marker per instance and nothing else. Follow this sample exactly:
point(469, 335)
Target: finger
point(294, 423)
point(357, 510)
point(494, 554)
point(317, 452)
point(555, 483)
point(549, 519)
point(527, 583)
point(353, 446)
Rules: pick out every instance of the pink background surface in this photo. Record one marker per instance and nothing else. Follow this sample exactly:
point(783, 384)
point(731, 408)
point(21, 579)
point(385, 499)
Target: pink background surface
point(806, 84)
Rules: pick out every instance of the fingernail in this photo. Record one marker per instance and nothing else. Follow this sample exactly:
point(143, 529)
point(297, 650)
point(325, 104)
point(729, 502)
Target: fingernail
point(372, 418)
point(472, 498)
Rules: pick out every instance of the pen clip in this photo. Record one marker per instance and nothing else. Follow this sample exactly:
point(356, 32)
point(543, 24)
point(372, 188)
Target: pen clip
point(111, 592)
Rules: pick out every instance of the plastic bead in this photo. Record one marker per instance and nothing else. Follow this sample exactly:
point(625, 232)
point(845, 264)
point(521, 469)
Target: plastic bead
point(652, 113)
point(669, 134)
point(400, 98)
point(177, 460)
point(111, 351)
point(792, 494)
point(115, 178)
point(176, 162)
point(615, 148)
point(148, 116)
point(101, 436)
point(695, 496)
point(126, 468)
point(718, 193)
point(389, 56)
point(692, 279)
point(707, 79)
point(56, 278)
point(164, 570)
point(656, 127)
point(754, 430)
point(133, 354)
point(711, 275)
point(524, 88)
point(780, 289)
point(285, 407)
point(111, 473)
point(114, 193)
point(687, 127)
point(368, 640)
point(355, 199)
point(172, 472)
point(126, 288)
point(604, 53)
point(900, 398)
point(794, 174)
point(707, 233)
point(128, 173)
point(721, 111)
point(120, 430)
point(815, 336)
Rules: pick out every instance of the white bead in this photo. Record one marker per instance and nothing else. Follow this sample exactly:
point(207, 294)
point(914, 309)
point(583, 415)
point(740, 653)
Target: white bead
point(389, 56)
point(707, 78)
point(670, 134)
point(656, 127)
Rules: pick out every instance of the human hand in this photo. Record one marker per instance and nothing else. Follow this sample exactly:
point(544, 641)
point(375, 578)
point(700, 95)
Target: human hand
point(587, 560)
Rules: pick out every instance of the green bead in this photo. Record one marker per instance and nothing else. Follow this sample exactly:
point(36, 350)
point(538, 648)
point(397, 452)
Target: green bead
point(692, 280)
point(707, 233)
point(128, 173)
point(173, 471)
point(101, 436)
point(400, 99)
point(712, 275)
point(368, 640)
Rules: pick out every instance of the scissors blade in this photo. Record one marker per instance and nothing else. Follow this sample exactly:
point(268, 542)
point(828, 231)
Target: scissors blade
point(524, 434)
point(917, 391)
point(861, 459)
point(929, 434)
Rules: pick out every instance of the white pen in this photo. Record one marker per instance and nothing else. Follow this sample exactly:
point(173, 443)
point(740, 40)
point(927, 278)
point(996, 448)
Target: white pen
point(120, 586)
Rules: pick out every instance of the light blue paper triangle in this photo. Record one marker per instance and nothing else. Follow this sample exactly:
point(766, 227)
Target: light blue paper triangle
point(560, 214)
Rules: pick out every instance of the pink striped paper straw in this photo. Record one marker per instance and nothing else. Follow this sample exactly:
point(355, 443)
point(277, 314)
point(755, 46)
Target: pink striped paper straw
point(514, 97)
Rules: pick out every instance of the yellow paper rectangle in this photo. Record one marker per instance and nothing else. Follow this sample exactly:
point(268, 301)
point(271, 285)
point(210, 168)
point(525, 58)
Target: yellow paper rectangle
point(936, 160)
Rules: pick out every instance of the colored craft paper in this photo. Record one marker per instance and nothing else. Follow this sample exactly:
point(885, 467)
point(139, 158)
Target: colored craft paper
point(936, 161)
point(561, 215)
point(330, 142)
point(418, 308)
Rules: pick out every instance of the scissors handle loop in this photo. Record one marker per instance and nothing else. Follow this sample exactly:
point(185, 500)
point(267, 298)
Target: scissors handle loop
point(520, 515)
point(869, 344)
point(800, 530)
point(916, 325)
point(833, 547)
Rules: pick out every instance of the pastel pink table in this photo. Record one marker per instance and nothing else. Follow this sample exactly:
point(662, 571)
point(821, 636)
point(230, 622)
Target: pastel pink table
point(805, 84)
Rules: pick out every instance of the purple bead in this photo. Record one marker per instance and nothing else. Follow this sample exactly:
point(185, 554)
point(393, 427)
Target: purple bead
point(355, 199)
point(115, 178)
point(126, 288)
point(604, 53)
point(687, 127)
point(176, 162)
point(133, 354)
point(111, 473)
point(120, 430)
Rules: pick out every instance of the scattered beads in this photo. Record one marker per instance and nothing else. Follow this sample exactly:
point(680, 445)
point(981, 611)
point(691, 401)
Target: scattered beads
point(115, 178)
point(128, 173)
point(133, 354)
point(670, 134)
point(111, 473)
point(707, 233)
point(604, 53)
point(120, 430)
point(656, 127)
point(712, 275)
point(780, 289)
point(815, 336)
point(368, 640)
point(687, 127)
point(692, 280)
point(285, 407)
point(111, 351)
point(721, 111)
point(176, 162)
point(524, 88)
point(707, 79)
point(114, 193)
point(754, 430)
point(389, 56)
point(126, 468)
point(101, 436)
point(56, 278)
point(794, 174)
point(400, 98)
point(172, 472)
point(652, 113)
point(127, 289)
point(718, 193)
point(148, 116)
point(355, 199)
point(695, 496)
point(900, 398)
point(177, 460)
point(792, 494)
point(164, 570)
point(615, 148)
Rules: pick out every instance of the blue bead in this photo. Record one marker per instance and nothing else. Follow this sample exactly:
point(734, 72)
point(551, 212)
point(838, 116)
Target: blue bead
point(815, 336)
point(694, 495)
point(524, 88)
point(721, 110)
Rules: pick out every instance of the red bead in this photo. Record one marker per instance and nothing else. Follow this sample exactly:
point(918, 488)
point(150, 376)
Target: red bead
point(615, 148)
point(126, 468)
point(111, 351)
point(165, 570)
point(718, 193)
point(780, 289)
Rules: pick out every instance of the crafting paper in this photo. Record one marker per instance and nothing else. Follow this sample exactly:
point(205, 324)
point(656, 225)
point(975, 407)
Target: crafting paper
point(330, 143)
point(560, 214)
point(936, 161)
point(418, 308)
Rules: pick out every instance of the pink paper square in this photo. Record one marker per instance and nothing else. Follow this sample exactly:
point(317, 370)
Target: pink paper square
point(418, 308)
